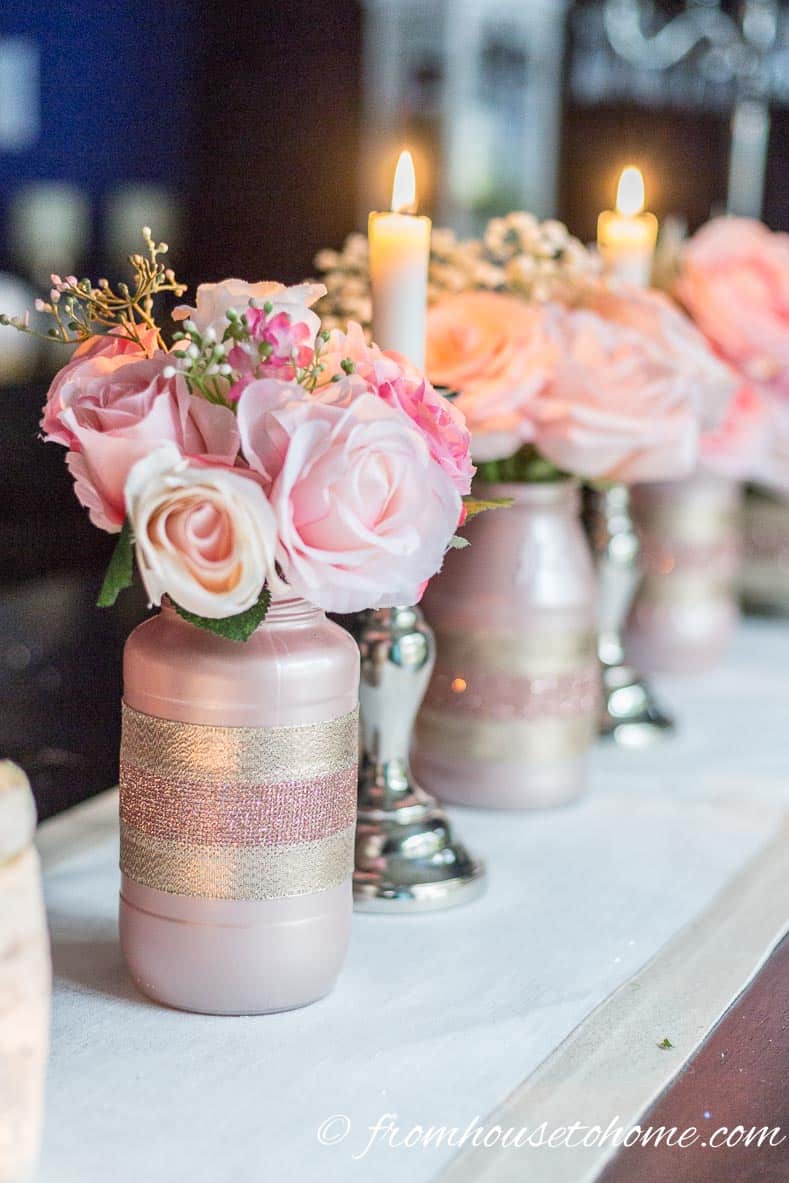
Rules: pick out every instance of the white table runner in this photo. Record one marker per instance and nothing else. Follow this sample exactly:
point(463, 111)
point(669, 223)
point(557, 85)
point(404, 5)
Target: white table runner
point(437, 1018)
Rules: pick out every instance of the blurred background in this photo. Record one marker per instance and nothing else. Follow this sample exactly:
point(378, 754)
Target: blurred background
point(251, 135)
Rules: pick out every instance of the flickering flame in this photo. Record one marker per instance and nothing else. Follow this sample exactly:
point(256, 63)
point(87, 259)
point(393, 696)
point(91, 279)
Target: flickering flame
point(404, 188)
point(630, 192)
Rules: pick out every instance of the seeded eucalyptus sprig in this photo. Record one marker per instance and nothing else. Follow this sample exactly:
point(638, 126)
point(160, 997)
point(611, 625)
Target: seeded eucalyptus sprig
point(80, 310)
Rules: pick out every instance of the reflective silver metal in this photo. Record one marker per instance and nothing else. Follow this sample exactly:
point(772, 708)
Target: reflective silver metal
point(630, 714)
point(407, 858)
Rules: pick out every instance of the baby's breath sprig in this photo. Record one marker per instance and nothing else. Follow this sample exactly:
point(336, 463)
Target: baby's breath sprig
point(80, 310)
point(203, 362)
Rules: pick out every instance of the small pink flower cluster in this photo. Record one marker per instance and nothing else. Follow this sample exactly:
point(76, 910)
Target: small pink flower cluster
point(318, 464)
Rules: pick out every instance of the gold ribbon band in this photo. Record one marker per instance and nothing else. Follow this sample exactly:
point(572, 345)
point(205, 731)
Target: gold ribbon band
point(686, 588)
point(256, 755)
point(492, 741)
point(547, 651)
point(236, 873)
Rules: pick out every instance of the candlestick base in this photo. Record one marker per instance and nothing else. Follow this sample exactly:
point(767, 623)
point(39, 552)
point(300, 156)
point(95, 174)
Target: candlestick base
point(630, 716)
point(407, 857)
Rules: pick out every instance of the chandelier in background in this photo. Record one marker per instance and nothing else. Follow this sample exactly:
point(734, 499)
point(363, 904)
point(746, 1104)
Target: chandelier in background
point(701, 58)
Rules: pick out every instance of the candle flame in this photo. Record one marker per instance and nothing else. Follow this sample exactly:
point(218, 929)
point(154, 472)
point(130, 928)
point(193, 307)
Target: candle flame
point(404, 187)
point(630, 192)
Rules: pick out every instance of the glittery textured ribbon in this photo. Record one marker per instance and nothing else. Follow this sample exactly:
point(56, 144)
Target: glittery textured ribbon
point(237, 812)
point(540, 741)
point(237, 872)
point(229, 754)
point(512, 696)
point(545, 651)
point(504, 697)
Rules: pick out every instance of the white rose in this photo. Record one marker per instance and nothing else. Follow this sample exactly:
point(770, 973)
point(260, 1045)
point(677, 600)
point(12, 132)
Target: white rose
point(204, 536)
point(214, 299)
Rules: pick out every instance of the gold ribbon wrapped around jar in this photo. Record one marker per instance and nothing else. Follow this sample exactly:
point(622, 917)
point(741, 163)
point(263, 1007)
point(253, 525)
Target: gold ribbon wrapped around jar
point(513, 704)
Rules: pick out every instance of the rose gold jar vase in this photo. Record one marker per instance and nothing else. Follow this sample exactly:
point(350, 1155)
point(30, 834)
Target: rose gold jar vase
point(686, 610)
point(512, 706)
point(238, 803)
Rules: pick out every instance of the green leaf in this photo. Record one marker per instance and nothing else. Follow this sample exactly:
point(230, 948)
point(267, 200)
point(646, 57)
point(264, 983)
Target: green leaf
point(665, 1044)
point(232, 628)
point(121, 569)
point(475, 505)
point(526, 465)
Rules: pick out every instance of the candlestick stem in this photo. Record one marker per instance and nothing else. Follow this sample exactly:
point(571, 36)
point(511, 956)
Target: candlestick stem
point(407, 858)
point(630, 715)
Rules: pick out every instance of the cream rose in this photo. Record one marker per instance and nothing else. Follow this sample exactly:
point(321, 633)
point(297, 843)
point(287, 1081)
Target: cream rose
point(214, 300)
point(206, 537)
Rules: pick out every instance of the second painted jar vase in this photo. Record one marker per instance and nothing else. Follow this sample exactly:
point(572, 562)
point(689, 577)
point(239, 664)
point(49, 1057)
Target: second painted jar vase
point(686, 610)
point(238, 807)
point(512, 707)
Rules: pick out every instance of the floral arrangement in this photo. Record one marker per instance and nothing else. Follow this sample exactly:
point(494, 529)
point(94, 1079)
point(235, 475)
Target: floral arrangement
point(732, 277)
point(556, 370)
point(259, 453)
point(534, 260)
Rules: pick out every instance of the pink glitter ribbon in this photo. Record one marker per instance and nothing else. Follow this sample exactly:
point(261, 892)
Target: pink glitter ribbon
point(237, 813)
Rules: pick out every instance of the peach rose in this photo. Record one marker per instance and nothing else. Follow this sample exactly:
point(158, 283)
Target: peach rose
point(492, 349)
point(734, 281)
point(364, 513)
point(653, 315)
point(96, 356)
point(617, 407)
point(114, 419)
point(204, 536)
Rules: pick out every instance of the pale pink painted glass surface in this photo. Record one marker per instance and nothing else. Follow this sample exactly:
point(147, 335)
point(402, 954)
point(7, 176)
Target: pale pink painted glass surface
point(246, 956)
point(686, 612)
point(512, 708)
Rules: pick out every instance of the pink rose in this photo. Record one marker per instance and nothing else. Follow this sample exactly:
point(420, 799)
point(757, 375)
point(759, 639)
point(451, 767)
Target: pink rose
point(395, 380)
point(96, 356)
point(652, 314)
point(364, 513)
point(734, 281)
point(738, 448)
point(114, 419)
point(492, 349)
point(618, 407)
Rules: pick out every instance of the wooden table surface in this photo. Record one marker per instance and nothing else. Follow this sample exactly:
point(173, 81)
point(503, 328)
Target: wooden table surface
point(739, 1077)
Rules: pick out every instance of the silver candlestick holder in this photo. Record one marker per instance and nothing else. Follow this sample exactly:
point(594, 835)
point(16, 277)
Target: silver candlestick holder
point(407, 857)
point(630, 714)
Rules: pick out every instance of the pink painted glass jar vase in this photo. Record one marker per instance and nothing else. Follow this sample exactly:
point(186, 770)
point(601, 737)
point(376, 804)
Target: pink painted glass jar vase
point(238, 805)
point(512, 707)
point(686, 610)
